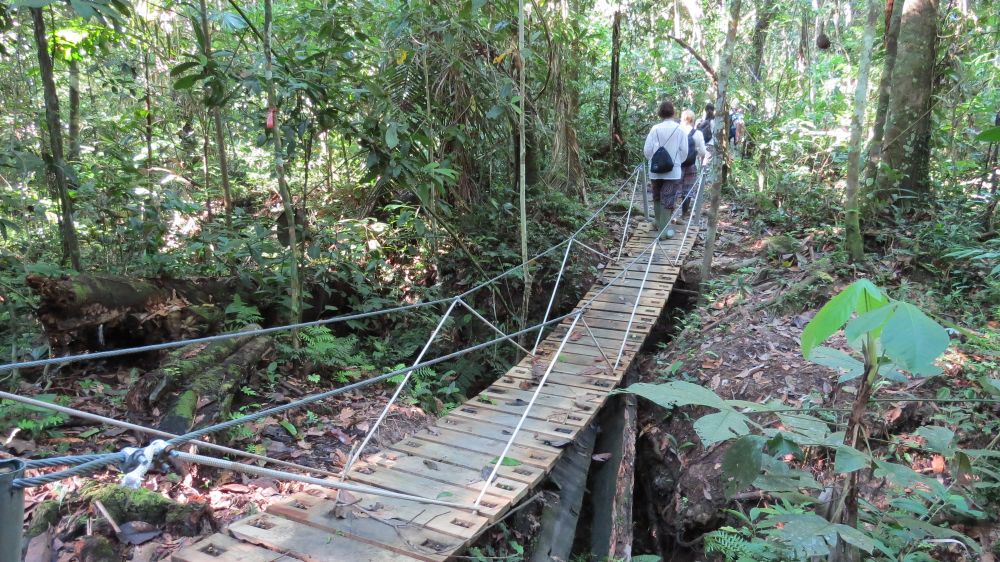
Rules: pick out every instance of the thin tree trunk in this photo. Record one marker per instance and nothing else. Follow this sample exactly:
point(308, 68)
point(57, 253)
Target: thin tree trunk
point(220, 138)
point(57, 165)
point(617, 139)
point(721, 139)
point(149, 113)
point(892, 21)
point(295, 291)
point(855, 246)
point(522, 174)
point(74, 109)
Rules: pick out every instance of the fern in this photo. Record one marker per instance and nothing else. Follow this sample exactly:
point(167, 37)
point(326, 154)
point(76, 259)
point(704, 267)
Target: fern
point(239, 314)
point(739, 545)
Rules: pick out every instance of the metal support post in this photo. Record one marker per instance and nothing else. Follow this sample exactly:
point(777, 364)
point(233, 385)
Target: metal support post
point(645, 194)
point(628, 214)
point(552, 299)
point(11, 510)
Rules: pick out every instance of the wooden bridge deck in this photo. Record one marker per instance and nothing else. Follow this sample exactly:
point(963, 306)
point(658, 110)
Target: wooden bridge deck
point(451, 459)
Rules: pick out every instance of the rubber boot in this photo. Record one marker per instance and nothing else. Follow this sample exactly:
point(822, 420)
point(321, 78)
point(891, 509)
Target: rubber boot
point(663, 222)
point(659, 220)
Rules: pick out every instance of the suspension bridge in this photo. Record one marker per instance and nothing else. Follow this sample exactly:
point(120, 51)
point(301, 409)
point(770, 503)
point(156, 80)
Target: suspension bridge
point(429, 495)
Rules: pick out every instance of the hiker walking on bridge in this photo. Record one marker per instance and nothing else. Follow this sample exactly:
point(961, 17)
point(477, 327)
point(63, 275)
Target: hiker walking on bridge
point(696, 154)
point(666, 148)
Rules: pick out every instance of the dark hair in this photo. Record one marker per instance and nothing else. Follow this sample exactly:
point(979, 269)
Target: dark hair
point(709, 110)
point(666, 110)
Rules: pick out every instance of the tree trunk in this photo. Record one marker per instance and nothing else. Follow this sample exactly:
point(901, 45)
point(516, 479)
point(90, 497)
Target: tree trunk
point(220, 138)
point(295, 291)
point(522, 171)
point(765, 15)
point(58, 166)
point(74, 109)
point(720, 159)
point(617, 138)
point(149, 111)
point(892, 20)
point(906, 150)
point(853, 242)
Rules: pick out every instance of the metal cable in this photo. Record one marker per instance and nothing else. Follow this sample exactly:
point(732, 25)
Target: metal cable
point(84, 469)
point(53, 462)
point(142, 429)
point(268, 473)
point(299, 325)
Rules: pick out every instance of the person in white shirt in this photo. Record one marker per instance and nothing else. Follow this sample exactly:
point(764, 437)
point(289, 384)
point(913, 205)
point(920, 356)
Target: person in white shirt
point(689, 168)
point(666, 185)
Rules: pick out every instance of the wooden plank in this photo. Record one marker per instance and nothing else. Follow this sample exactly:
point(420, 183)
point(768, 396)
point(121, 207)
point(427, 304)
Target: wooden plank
point(632, 291)
point(540, 411)
point(641, 325)
point(615, 267)
point(223, 548)
point(531, 456)
point(445, 454)
point(391, 479)
point(552, 389)
point(603, 334)
point(621, 307)
point(502, 434)
point(313, 545)
point(556, 429)
point(596, 369)
point(447, 473)
point(324, 512)
point(653, 302)
point(528, 382)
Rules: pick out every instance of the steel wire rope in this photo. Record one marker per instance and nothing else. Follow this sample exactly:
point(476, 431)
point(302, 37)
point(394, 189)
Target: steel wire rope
point(73, 460)
point(84, 469)
point(301, 325)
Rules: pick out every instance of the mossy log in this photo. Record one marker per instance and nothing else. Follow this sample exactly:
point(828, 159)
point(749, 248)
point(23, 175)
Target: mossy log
point(105, 311)
point(181, 364)
point(127, 504)
point(217, 384)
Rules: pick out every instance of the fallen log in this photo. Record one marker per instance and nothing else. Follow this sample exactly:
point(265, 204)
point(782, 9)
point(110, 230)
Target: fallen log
point(104, 311)
point(208, 395)
point(180, 364)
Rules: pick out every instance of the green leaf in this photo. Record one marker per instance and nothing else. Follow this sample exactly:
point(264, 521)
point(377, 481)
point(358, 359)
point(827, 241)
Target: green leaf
point(391, 136)
point(848, 367)
point(860, 296)
point(811, 535)
point(869, 322)
point(808, 429)
point(507, 461)
point(31, 3)
point(187, 82)
point(646, 558)
point(678, 393)
point(289, 427)
point(742, 463)
point(444, 495)
point(182, 68)
point(779, 446)
point(912, 340)
point(850, 459)
point(938, 438)
point(906, 477)
point(721, 426)
point(989, 135)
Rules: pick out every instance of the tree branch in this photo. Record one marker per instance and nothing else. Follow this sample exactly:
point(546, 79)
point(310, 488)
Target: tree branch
point(704, 63)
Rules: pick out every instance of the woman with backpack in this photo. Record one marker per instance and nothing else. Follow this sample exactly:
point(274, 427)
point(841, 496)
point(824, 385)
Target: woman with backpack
point(696, 153)
point(666, 148)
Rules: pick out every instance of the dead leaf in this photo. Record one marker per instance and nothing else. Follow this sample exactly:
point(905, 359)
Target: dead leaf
point(138, 532)
point(340, 435)
point(40, 548)
point(234, 488)
point(430, 464)
point(576, 335)
point(937, 464)
point(601, 457)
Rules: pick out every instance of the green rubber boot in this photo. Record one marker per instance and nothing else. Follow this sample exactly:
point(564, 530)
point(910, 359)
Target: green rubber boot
point(659, 217)
point(663, 222)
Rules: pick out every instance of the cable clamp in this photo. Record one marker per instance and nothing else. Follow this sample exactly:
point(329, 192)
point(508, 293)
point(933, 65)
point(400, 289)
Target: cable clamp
point(140, 461)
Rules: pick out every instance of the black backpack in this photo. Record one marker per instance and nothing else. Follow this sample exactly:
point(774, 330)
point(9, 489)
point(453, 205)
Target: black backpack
point(705, 127)
point(661, 162)
point(692, 151)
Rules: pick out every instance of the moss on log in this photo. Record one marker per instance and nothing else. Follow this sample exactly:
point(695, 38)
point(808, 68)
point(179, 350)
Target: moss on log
point(218, 383)
point(127, 504)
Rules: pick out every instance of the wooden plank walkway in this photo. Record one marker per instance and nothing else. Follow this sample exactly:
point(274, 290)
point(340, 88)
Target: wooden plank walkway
point(451, 459)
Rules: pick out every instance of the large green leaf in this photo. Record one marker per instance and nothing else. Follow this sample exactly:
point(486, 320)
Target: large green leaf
point(721, 426)
point(989, 135)
point(742, 463)
point(912, 340)
point(678, 393)
point(938, 438)
point(860, 296)
point(811, 535)
point(850, 459)
point(869, 322)
point(906, 477)
point(391, 136)
point(848, 367)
